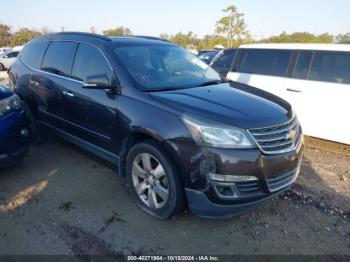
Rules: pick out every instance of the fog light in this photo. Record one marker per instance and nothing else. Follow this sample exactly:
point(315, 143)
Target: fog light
point(231, 178)
point(24, 132)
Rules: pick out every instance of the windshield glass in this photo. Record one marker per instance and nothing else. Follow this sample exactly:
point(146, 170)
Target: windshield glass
point(164, 67)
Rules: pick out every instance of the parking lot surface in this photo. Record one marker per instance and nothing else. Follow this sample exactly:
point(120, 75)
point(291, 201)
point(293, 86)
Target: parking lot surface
point(62, 200)
point(3, 76)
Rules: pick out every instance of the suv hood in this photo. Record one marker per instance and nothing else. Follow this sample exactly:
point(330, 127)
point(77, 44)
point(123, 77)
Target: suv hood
point(5, 92)
point(228, 103)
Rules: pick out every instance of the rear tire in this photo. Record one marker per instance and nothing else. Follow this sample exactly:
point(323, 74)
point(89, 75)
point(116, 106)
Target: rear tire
point(153, 180)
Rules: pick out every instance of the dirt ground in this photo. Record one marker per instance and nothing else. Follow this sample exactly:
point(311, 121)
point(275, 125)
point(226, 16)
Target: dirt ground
point(62, 200)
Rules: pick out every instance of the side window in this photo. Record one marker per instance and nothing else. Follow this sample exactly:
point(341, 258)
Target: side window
point(302, 67)
point(12, 54)
point(58, 58)
point(331, 67)
point(225, 60)
point(265, 62)
point(90, 61)
point(33, 54)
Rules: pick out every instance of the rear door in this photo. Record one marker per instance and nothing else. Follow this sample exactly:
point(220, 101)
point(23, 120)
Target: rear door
point(53, 79)
point(321, 94)
point(90, 114)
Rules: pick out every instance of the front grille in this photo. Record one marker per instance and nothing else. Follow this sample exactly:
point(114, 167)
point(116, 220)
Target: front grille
point(278, 139)
point(276, 183)
point(248, 188)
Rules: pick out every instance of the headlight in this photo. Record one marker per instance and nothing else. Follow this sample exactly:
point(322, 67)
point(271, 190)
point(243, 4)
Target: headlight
point(9, 104)
point(217, 135)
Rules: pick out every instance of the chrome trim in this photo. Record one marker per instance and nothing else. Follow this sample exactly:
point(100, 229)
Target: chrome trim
point(274, 132)
point(293, 177)
point(295, 143)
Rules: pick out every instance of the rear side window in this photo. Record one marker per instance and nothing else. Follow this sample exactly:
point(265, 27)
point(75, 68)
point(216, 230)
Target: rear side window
point(12, 54)
point(33, 54)
point(58, 58)
point(331, 67)
point(264, 62)
point(302, 66)
point(89, 61)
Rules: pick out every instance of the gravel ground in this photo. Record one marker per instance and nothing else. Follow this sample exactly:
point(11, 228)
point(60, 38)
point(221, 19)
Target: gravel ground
point(62, 200)
point(3, 76)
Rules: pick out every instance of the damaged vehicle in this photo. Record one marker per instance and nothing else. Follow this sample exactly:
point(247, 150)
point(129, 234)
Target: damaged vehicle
point(14, 128)
point(181, 135)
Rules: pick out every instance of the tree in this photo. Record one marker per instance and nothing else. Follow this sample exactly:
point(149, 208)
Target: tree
point(119, 31)
point(299, 37)
point(343, 38)
point(209, 41)
point(232, 26)
point(5, 35)
point(186, 40)
point(23, 35)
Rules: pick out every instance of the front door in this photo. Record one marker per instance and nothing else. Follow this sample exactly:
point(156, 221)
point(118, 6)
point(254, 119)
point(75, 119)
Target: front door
point(90, 114)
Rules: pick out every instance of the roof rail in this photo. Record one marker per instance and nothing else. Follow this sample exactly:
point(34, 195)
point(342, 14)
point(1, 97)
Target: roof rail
point(151, 38)
point(85, 34)
point(139, 36)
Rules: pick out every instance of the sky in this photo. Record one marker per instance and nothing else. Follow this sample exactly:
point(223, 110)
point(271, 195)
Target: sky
point(153, 17)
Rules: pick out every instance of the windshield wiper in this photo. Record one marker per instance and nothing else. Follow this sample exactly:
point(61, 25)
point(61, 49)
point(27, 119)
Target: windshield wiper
point(213, 82)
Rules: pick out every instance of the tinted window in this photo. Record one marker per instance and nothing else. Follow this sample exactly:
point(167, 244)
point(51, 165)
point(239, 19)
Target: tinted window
point(58, 58)
point(12, 54)
point(331, 67)
point(224, 59)
point(265, 62)
point(89, 62)
point(302, 66)
point(33, 54)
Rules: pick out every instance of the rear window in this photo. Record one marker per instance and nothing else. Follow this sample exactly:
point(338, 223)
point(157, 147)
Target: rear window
point(12, 55)
point(58, 58)
point(224, 59)
point(264, 62)
point(33, 54)
point(331, 67)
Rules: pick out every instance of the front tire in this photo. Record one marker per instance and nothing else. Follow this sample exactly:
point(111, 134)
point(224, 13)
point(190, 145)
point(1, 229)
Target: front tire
point(2, 67)
point(153, 181)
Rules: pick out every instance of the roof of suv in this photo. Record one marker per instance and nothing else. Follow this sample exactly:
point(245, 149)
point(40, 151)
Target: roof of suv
point(297, 46)
point(115, 39)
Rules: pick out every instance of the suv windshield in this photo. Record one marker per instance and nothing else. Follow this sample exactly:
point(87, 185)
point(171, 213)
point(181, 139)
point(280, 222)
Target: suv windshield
point(165, 67)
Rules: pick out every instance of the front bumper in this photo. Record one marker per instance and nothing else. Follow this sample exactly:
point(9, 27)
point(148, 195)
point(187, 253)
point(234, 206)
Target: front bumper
point(200, 205)
point(208, 197)
point(14, 142)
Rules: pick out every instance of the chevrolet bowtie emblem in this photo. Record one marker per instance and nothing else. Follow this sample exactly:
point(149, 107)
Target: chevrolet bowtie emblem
point(292, 134)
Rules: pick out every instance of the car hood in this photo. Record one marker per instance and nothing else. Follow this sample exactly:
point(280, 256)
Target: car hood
point(5, 92)
point(228, 103)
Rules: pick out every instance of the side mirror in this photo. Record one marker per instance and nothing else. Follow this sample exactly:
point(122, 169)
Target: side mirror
point(97, 82)
point(5, 56)
point(101, 81)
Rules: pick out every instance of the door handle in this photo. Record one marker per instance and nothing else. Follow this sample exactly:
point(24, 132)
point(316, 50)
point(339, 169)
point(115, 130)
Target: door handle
point(294, 90)
point(34, 83)
point(67, 93)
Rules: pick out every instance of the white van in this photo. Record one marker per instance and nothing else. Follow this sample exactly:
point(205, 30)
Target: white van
point(314, 78)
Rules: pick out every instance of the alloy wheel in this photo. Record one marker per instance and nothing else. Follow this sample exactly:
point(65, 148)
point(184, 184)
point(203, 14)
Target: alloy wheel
point(150, 181)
